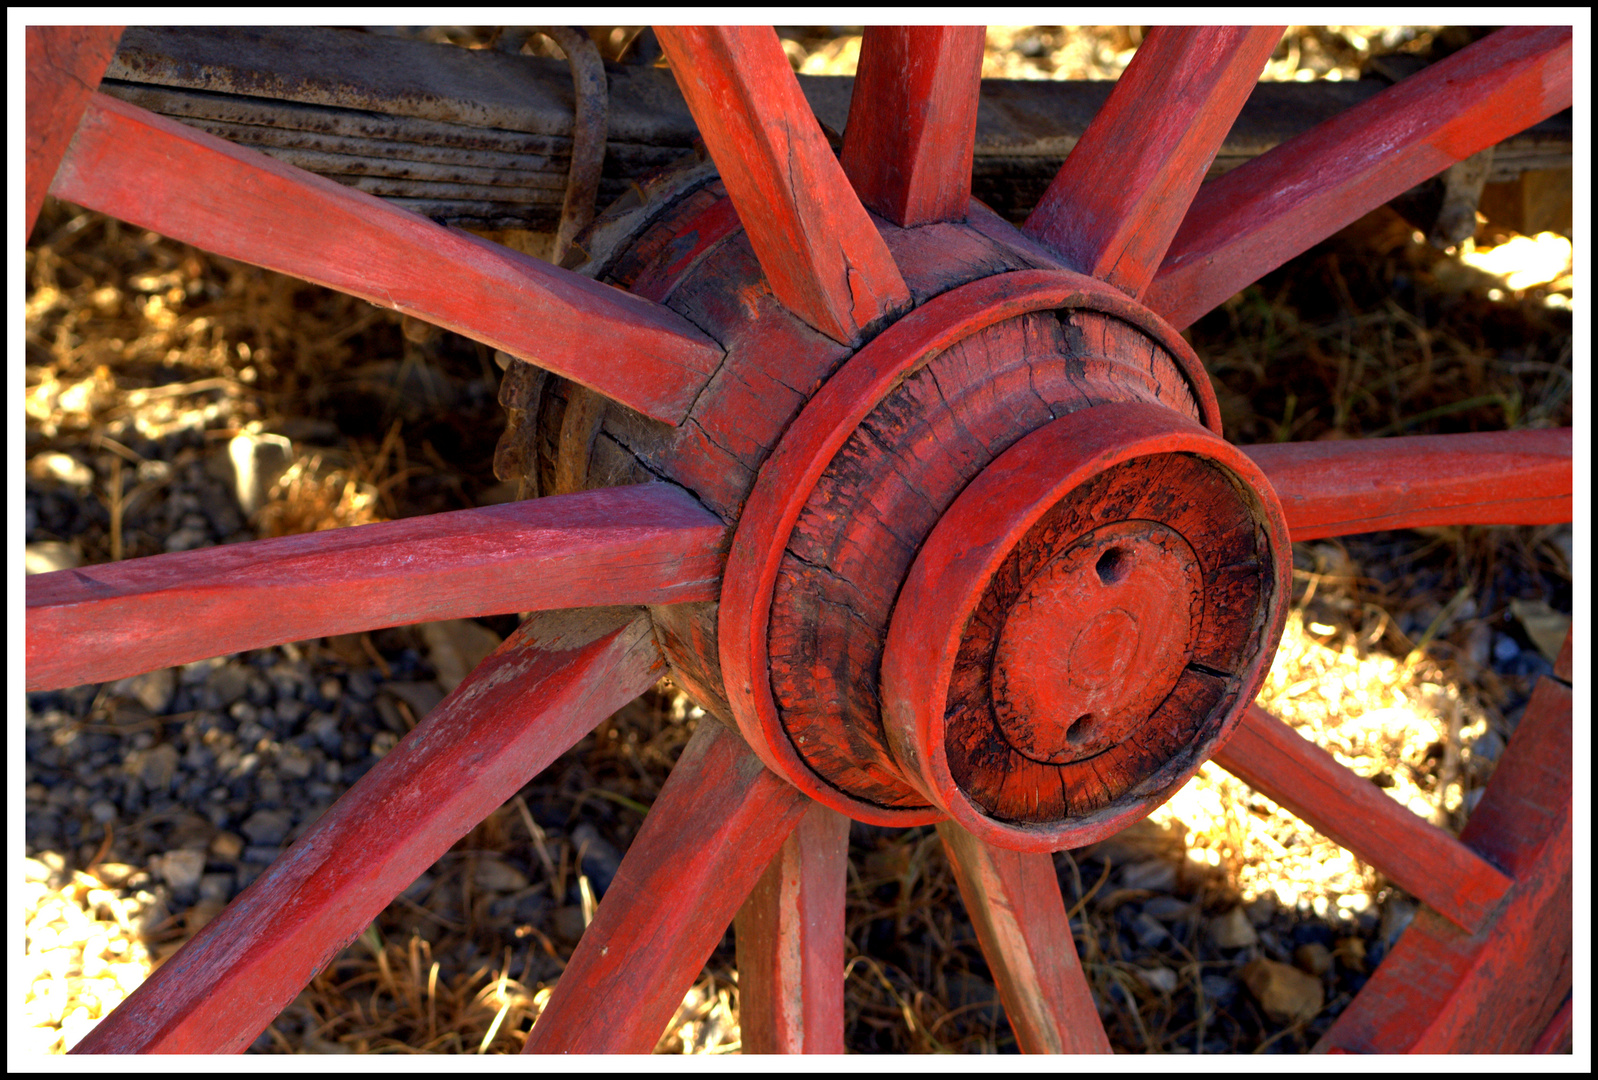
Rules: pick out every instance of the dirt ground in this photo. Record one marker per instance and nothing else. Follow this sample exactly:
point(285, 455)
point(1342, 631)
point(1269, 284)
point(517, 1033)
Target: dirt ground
point(1409, 654)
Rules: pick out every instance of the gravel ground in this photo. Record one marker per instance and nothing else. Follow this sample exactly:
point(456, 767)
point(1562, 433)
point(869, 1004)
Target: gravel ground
point(163, 383)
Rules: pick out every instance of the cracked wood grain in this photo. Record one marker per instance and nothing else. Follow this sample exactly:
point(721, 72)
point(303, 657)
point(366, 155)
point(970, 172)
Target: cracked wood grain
point(818, 246)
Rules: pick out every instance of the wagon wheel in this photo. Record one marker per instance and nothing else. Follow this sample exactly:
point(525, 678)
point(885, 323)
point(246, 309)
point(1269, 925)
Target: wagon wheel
point(944, 530)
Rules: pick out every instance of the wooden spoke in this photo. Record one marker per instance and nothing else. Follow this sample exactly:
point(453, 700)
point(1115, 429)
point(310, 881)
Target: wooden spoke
point(649, 544)
point(1276, 761)
point(790, 943)
point(820, 252)
point(1261, 214)
point(1500, 989)
point(1336, 488)
point(1014, 902)
point(246, 205)
point(718, 821)
point(541, 691)
point(912, 124)
point(1118, 199)
point(65, 64)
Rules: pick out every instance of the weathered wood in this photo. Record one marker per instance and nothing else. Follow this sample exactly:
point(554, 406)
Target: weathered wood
point(821, 254)
point(791, 474)
point(64, 65)
point(649, 544)
point(912, 121)
point(1121, 521)
point(248, 206)
point(1272, 758)
point(790, 943)
point(1258, 216)
point(1442, 990)
point(716, 824)
point(541, 691)
point(283, 85)
point(1338, 487)
point(1118, 199)
point(1014, 903)
point(1557, 1036)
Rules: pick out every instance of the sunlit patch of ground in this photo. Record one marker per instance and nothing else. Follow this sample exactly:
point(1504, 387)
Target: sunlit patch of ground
point(1396, 722)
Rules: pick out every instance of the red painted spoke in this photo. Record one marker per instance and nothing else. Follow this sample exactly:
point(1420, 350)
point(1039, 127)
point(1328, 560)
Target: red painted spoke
point(157, 173)
point(717, 822)
point(649, 544)
point(1261, 214)
point(821, 254)
point(1276, 761)
point(1115, 204)
point(64, 66)
point(1446, 991)
point(912, 124)
point(1014, 902)
point(541, 691)
point(1336, 488)
point(790, 943)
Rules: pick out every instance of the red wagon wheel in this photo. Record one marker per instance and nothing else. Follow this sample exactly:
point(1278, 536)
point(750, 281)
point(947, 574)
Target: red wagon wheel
point(940, 522)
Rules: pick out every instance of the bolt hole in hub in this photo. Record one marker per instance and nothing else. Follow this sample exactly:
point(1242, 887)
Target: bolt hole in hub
point(1003, 569)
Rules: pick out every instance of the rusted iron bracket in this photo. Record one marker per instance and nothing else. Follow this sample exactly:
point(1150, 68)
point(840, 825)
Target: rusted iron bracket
point(480, 138)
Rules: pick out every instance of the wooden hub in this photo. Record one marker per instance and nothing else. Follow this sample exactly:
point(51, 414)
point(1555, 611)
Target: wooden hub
point(1083, 626)
point(1093, 641)
point(1107, 631)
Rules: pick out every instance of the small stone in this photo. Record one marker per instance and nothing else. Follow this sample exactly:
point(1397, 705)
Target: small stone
point(180, 869)
point(600, 859)
point(255, 461)
point(1148, 930)
point(1162, 979)
point(187, 539)
point(229, 681)
point(422, 697)
point(455, 647)
point(60, 468)
point(1232, 930)
point(1397, 914)
point(1285, 994)
point(48, 556)
point(1505, 649)
point(153, 689)
point(35, 870)
point(1314, 958)
point(216, 887)
point(494, 875)
point(325, 727)
point(1167, 908)
point(267, 826)
point(159, 766)
point(330, 689)
point(1350, 952)
point(1218, 990)
point(295, 763)
point(383, 742)
point(1488, 746)
point(1155, 875)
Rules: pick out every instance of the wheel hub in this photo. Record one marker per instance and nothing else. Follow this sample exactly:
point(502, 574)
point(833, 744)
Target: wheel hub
point(996, 563)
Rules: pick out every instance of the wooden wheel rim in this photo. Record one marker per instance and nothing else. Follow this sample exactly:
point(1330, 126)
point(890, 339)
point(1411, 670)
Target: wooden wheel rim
point(791, 473)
